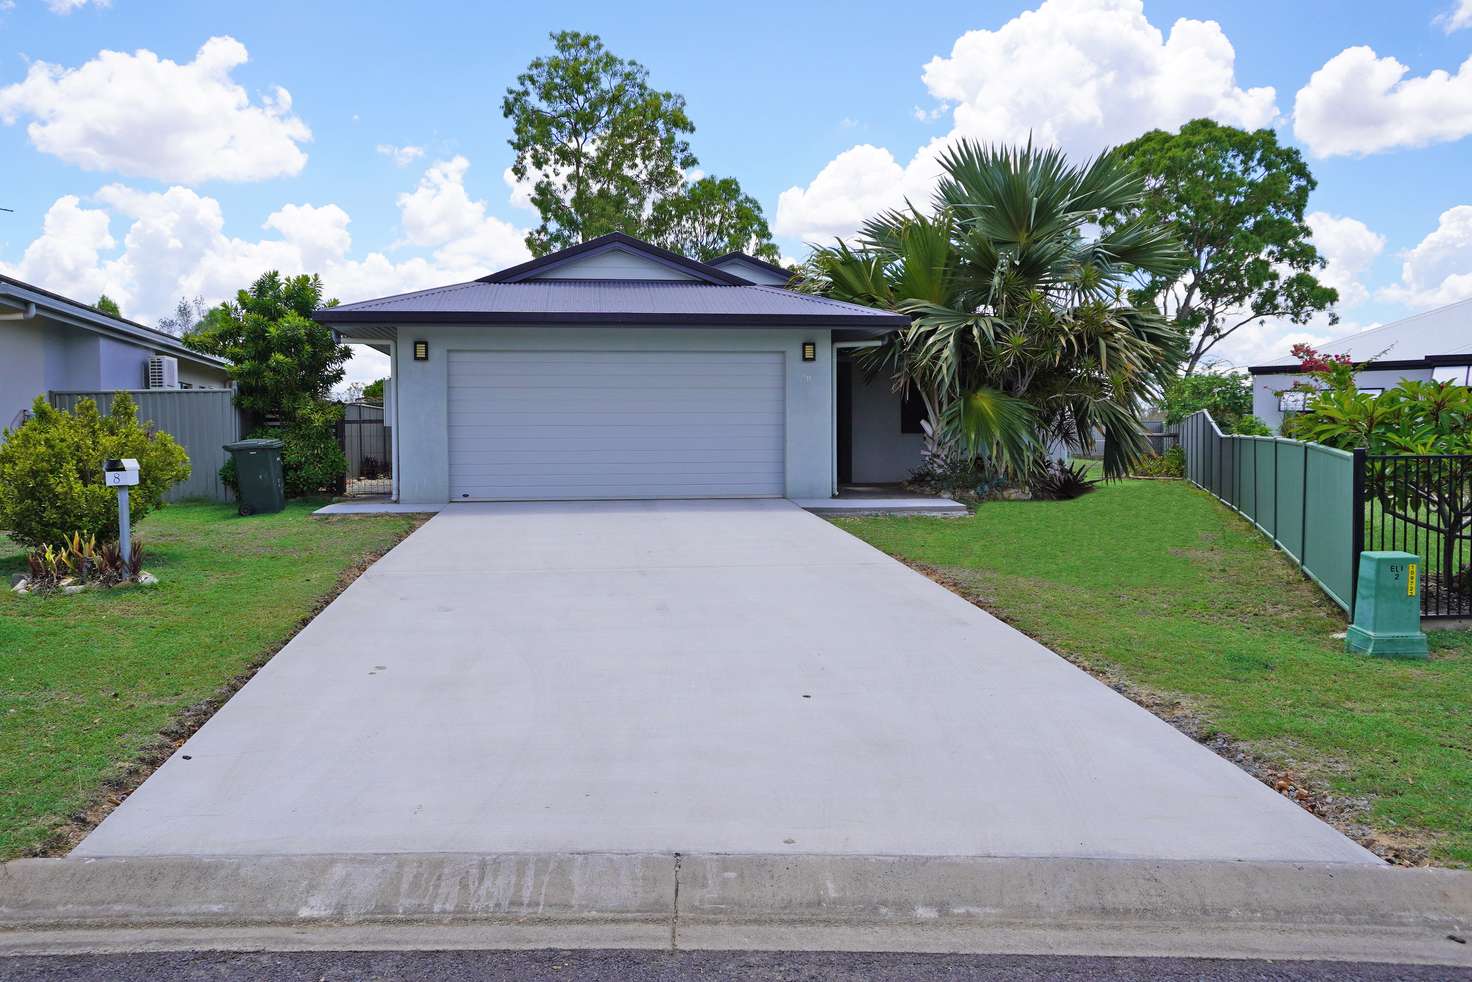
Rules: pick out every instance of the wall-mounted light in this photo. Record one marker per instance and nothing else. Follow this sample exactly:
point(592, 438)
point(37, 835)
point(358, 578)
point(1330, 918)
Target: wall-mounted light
point(421, 351)
point(809, 351)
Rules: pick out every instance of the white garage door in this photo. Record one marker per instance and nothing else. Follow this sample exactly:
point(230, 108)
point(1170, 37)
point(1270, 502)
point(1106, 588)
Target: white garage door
point(616, 424)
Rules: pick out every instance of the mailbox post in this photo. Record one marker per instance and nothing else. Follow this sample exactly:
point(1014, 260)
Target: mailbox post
point(122, 474)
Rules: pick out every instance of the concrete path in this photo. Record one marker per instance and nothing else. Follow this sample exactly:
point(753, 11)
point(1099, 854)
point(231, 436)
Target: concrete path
point(720, 677)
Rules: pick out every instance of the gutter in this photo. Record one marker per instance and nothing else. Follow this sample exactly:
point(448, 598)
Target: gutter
point(69, 312)
point(1403, 364)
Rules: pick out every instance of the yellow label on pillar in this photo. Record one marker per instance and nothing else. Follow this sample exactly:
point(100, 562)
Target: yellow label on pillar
point(1411, 581)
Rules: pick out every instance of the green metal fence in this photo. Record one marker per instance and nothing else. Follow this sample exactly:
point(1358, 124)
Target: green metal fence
point(1300, 495)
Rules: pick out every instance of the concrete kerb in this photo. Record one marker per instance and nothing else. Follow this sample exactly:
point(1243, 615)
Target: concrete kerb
point(1272, 910)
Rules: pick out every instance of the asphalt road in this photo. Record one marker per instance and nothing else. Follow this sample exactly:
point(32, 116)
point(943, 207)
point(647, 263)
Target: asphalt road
point(696, 966)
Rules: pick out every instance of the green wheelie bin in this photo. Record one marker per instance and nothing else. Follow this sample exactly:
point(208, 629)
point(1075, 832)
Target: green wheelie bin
point(258, 475)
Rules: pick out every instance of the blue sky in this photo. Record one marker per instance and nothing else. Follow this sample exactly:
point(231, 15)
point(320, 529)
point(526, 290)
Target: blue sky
point(151, 174)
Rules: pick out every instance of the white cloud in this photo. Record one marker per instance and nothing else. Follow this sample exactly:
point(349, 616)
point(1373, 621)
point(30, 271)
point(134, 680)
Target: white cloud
point(67, 6)
point(1082, 74)
point(144, 116)
point(440, 213)
point(1265, 344)
point(175, 245)
point(402, 156)
point(1359, 103)
point(1348, 246)
point(1457, 17)
point(1439, 269)
point(69, 251)
point(857, 183)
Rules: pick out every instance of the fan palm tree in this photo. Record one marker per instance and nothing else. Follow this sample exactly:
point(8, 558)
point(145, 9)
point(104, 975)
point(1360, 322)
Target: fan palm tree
point(1022, 335)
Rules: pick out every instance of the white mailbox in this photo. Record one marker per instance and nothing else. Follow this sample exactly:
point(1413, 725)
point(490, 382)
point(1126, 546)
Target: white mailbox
point(120, 473)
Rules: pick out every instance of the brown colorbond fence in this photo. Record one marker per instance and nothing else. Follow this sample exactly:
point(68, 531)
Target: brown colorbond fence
point(1303, 496)
point(201, 421)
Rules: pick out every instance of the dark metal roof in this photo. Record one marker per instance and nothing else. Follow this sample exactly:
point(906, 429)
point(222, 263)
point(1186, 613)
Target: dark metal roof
point(633, 302)
point(69, 311)
point(614, 240)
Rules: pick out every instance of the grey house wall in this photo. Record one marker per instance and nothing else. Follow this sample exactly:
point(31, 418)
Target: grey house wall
point(40, 356)
point(201, 421)
point(422, 391)
point(22, 369)
point(1265, 388)
point(880, 453)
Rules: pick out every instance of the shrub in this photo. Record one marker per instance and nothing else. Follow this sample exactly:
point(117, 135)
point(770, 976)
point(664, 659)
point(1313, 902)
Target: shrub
point(51, 482)
point(1057, 481)
point(311, 460)
point(1226, 397)
point(1251, 426)
point(1172, 463)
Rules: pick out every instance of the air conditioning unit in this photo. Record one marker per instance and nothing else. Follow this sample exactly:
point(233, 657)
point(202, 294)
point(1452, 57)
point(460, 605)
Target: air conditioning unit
point(163, 372)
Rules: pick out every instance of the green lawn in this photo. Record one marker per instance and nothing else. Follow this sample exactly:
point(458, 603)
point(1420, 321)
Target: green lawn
point(88, 683)
point(1156, 585)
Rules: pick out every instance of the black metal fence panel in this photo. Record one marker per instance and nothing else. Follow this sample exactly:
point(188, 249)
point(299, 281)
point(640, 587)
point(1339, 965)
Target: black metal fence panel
point(1423, 505)
point(367, 443)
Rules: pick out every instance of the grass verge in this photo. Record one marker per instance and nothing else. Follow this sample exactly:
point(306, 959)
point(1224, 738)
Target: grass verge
point(1161, 591)
point(96, 689)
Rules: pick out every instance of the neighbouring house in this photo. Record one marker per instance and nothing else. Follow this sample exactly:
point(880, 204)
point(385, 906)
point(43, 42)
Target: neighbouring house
point(51, 344)
point(1434, 346)
point(616, 369)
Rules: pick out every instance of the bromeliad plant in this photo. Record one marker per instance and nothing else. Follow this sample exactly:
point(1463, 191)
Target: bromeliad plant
point(81, 561)
point(1023, 339)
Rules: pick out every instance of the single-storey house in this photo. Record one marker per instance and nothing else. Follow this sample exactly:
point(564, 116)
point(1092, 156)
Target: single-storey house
point(616, 369)
point(1435, 345)
point(49, 343)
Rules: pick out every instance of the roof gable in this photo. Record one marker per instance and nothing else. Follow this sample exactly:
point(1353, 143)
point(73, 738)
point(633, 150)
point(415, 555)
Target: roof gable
point(756, 270)
point(615, 256)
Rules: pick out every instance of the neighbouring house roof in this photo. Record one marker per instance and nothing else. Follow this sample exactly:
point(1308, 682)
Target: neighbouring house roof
point(19, 295)
point(548, 291)
point(1437, 337)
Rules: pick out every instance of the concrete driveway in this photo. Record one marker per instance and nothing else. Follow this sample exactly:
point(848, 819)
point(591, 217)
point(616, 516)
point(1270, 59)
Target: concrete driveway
point(685, 676)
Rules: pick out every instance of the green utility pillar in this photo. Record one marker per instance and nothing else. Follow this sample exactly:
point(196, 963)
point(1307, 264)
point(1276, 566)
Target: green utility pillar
point(1387, 607)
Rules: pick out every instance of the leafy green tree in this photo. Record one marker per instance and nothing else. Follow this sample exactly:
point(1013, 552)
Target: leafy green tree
point(1236, 200)
point(283, 363)
point(607, 152)
point(600, 144)
point(1227, 396)
point(709, 218)
point(374, 390)
point(1021, 337)
point(51, 482)
point(108, 305)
